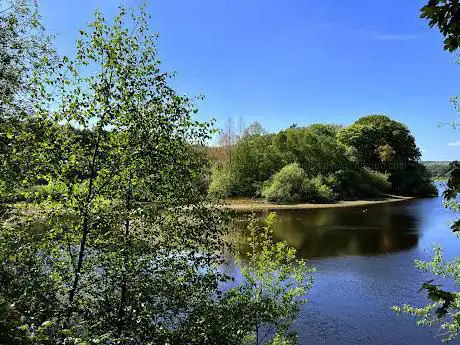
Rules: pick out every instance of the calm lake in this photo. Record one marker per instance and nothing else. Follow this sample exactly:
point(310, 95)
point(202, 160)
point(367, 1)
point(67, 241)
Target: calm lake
point(365, 261)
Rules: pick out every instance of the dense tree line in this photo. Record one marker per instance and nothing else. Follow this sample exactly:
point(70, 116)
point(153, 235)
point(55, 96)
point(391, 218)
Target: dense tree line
point(375, 155)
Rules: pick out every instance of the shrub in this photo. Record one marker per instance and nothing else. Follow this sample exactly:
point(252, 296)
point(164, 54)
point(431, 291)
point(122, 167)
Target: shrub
point(286, 185)
point(414, 180)
point(317, 189)
point(221, 182)
point(378, 180)
point(292, 184)
point(3, 190)
point(352, 184)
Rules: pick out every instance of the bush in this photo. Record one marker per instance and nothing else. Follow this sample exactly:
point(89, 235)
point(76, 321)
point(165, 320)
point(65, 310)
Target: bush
point(286, 185)
point(317, 189)
point(378, 180)
point(292, 184)
point(362, 183)
point(221, 182)
point(3, 190)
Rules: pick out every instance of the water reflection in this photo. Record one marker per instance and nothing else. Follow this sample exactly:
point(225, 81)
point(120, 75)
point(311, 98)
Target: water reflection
point(332, 232)
point(354, 286)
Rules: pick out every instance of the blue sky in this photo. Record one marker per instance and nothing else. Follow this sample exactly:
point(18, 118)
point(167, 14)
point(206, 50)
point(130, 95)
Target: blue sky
point(298, 61)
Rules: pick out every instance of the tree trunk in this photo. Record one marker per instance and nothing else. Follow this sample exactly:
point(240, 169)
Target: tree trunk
point(121, 311)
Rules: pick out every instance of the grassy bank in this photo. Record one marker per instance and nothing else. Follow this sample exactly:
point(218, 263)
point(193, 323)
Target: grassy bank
point(247, 204)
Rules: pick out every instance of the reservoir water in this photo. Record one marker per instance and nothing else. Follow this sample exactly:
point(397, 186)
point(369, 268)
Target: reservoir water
point(365, 264)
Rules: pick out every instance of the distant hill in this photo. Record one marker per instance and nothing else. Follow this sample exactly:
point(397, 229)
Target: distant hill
point(438, 169)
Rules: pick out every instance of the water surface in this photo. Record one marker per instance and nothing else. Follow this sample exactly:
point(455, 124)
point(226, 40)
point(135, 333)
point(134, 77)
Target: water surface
point(365, 261)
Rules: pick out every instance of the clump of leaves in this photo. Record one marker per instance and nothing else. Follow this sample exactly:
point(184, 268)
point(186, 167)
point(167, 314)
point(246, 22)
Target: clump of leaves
point(445, 14)
point(444, 308)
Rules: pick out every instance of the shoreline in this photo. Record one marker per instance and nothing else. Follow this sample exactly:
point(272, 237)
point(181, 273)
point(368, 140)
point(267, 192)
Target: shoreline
point(259, 205)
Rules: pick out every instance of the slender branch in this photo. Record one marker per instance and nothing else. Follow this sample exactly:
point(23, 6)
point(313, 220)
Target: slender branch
point(69, 248)
point(90, 195)
point(124, 288)
point(85, 228)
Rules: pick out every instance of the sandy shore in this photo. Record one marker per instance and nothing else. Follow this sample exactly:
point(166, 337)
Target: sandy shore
point(257, 204)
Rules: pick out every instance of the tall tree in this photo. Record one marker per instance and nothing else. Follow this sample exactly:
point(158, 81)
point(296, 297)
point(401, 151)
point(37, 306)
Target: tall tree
point(26, 53)
point(228, 137)
point(119, 269)
point(385, 145)
point(25, 49)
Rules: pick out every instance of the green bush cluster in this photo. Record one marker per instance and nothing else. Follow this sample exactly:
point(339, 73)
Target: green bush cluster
point(351, 184)
point(286, 185)
point(319, 189)
point(291, 183)
point(221, 182)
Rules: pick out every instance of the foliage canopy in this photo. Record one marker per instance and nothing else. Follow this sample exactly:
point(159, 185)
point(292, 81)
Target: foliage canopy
point(445, 14)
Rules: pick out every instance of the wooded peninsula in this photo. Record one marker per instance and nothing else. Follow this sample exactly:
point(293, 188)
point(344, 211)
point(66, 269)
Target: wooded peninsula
point(320, 163)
